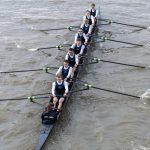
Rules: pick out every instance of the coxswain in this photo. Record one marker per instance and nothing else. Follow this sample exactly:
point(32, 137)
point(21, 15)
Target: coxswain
point(49, 116)
point(87, 29)
point(89, 17)
point(73, 60)
point(82, 36)
point(65, 70)
point(59, 91)
point(78, 47)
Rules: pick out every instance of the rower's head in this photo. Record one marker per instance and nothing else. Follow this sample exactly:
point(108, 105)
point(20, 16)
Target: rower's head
point(58, 78)
point(49, 107)
point(66, 63)
point(88, 13)
point(86, 21)
point(80, 31)
point(71, 52)
point(93, 6)
point(78, 42)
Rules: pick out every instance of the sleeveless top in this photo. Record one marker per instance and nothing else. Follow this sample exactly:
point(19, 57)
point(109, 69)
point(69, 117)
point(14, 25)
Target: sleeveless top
point(86, 29)
point(90, 20)
point(64, 72)
point(77, 49)
point(59, 89)
point(81, 37)
point(93, 13)
point(72, 60)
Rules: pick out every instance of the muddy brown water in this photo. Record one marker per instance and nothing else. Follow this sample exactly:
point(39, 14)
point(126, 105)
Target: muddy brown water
point(92, 120)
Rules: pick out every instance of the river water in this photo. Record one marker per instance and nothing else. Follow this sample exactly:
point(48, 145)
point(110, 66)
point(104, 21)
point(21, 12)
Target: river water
point(92, 120)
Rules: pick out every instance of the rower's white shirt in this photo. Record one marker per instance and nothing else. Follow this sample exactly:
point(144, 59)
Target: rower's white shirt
point(93, 11)
point(54, 85)
point(76, 36)
point(76, 58)
point(60, 71)
point(90, 28)
point(86, 17)
point(82, 48)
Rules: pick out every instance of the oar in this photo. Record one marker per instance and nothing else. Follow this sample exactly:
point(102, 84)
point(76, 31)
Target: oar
point(112, 91)
point(119, 63)
point(46, 69)
point(105, 38)
point(145, 95)
point(40, 96)
point(126, 24)
point(62, 28)
point(51, 47)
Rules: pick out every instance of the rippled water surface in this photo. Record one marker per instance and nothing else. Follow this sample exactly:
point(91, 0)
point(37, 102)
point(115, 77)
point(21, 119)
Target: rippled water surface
point(92, 120)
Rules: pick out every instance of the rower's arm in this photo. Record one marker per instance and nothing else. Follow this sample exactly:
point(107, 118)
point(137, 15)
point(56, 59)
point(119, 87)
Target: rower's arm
point(82, 25)
point(69, 73)
point(93, 20)
point(73, 45)
point(66, 87)
point(76, 59)
point(82, 49)
point(66, 57)
point(84, 18)
point(59, 70)
point(53, 88)
point(90, 29)
point(76, 36)
point(85, 37)
point(96, 13)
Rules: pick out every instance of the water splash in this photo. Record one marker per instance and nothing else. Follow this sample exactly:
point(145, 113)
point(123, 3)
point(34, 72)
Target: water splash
point(145, 97)
point(138, 146)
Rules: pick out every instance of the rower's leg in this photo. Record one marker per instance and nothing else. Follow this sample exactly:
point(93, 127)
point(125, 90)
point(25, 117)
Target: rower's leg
point(61, 100)
point(55, 100)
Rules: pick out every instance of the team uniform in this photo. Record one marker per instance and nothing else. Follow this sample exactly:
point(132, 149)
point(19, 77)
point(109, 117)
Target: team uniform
point(59, 88)
point(78, 49)
point(87, 29)
point(82, 36)
point(94, 12)
point(73, 60)
point(90, 18)
point(65, 72)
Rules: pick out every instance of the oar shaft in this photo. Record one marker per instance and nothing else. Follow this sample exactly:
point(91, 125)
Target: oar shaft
point(122, 63)
point(46, 47)
point(126, 24)
point(131, 25)
point(13, 99)
point(47, 69)
point(53, 29)
point(125, 42)
point(115, 92)
point(15, 71)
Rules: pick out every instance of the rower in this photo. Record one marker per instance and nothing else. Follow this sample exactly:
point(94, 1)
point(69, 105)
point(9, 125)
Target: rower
point(49, 116)
point(82, 36)
point(59, 91)
point(78, 47)
point(93, 11)
point(65, 71)
point(73, 60)
point(89, 17)
point(87, 29)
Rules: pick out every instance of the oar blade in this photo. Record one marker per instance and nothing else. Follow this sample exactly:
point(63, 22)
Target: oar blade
point(145, 97)
point(33, 49)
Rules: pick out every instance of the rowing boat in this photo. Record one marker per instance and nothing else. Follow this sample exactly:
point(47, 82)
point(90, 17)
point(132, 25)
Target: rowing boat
point(45, 130)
